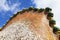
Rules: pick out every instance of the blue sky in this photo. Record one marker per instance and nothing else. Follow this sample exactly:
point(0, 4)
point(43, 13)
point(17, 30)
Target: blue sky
point(9, 7)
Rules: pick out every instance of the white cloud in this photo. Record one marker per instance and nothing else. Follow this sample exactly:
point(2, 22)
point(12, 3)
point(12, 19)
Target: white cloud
point(43, 3)
point(5, 7)
point(54, 4)
point(14, 7)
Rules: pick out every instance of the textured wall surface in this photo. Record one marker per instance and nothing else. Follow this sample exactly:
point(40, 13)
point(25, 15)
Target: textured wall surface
point(28, 26)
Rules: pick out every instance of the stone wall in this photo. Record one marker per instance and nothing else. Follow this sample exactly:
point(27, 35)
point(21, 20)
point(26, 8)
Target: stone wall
point(28, 26)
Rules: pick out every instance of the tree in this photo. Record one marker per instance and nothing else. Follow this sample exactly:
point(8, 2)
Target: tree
point(47, 9)
point(24, 10)
point(40, 10)
point(52, 23)
point(55, 29)
point(35, 9)
point(21, 12)
point(30, 8)
point(49, 16)
point(0, 29)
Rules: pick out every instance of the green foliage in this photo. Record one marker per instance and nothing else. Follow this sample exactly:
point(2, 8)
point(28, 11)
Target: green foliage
point(30, 8)
point(35, 9)
point(40, 10)
point(24, 10)
point(50, 14)
point(47, 9)
point(52, 23)
point(55, 29)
